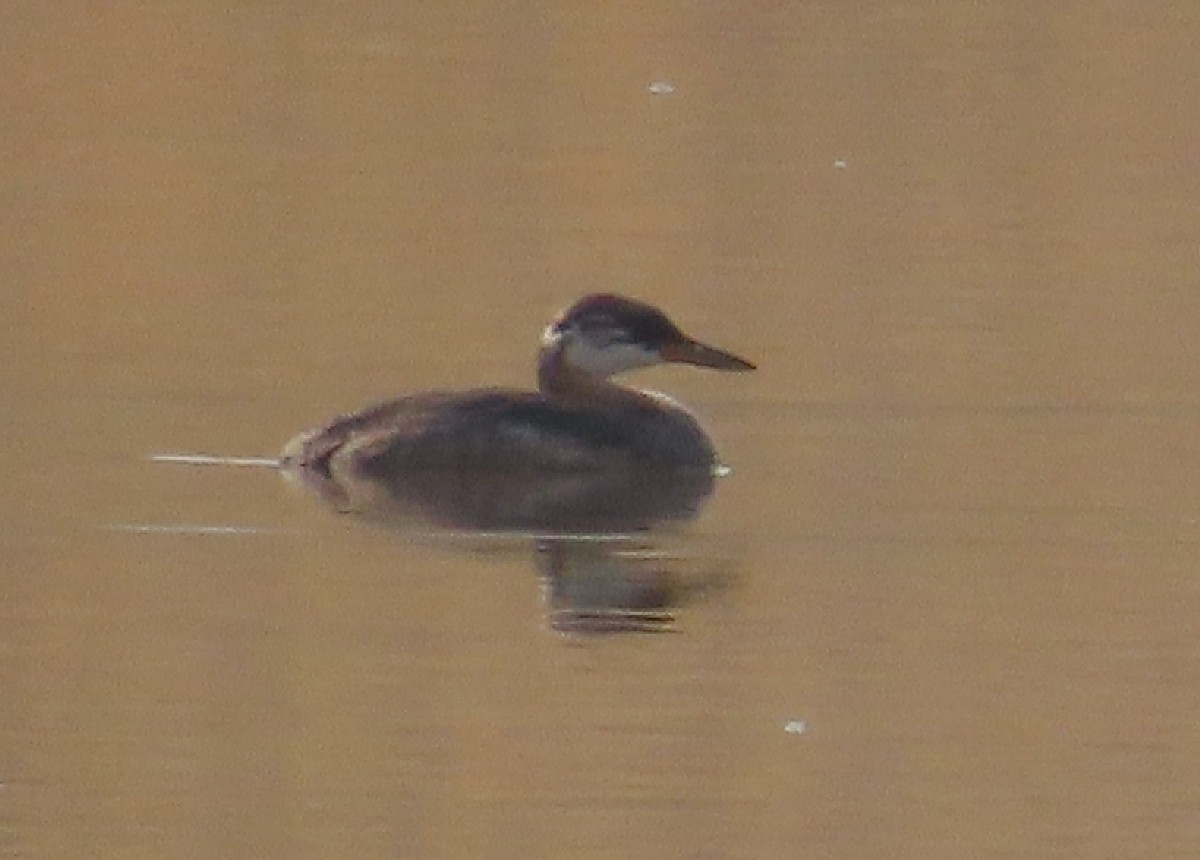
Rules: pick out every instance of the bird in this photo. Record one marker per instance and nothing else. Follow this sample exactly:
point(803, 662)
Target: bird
point(578, 421)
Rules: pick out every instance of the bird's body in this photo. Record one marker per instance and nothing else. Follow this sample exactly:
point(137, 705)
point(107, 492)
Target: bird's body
point(578, 421)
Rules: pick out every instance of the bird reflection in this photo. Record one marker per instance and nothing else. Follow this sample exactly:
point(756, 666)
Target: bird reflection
point(595, 586)
point(596, 546)
point(615, 501)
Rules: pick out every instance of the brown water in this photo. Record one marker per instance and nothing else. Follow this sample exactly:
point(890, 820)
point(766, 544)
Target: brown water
point(947, 602)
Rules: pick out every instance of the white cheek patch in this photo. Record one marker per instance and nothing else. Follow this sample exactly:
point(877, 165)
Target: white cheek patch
point(614, 358)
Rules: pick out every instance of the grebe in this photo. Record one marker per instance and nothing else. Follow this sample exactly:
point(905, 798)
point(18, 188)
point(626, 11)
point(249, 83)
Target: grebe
point(577, 421)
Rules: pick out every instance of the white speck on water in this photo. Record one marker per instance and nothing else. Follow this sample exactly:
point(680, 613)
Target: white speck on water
point(795, 727)
point(661, 88)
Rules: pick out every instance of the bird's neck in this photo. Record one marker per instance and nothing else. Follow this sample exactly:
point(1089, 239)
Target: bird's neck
point(559, 381)
point(666, 433)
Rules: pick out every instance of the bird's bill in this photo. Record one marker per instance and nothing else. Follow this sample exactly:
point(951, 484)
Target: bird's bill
point(688, 351)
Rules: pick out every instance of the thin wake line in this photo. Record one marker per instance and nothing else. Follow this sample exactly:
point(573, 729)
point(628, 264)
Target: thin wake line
point(453, 535)
point(214, 460)
point(192, 529)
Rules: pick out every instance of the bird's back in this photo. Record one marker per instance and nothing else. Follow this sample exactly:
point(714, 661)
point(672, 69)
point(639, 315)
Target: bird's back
point(492, 430)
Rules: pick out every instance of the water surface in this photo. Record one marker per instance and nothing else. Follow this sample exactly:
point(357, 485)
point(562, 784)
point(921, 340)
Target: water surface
point(958, 545)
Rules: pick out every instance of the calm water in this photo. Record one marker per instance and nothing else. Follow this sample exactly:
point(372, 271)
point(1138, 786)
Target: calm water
point(946, 604)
